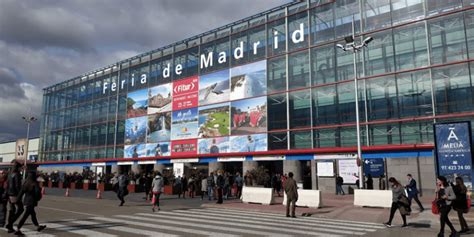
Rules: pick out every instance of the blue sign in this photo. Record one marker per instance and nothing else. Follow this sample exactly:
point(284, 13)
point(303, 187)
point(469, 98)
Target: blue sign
point(374, 167)
point(453, 150)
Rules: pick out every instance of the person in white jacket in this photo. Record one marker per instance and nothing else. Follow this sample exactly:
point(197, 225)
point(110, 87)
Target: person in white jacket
point(157, 189)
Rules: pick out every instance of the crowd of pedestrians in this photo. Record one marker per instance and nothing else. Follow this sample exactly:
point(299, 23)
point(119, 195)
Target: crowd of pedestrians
point(20, 198)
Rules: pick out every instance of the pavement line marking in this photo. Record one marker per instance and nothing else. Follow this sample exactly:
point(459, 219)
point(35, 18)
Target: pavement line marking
point(308, 220)
point(286, 222)
point(268, 226)
point(228, 225)
point(75, 212)
point(192, 222)
point(75, 230)
point(279, 215)
point(164, 227)
point(125, 229)
point(30, 232)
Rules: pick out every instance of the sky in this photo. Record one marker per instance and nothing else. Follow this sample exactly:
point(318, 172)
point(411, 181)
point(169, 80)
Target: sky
point(49, 41)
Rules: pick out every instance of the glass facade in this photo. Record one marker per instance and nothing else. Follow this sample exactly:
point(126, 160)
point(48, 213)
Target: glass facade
point(275, 82)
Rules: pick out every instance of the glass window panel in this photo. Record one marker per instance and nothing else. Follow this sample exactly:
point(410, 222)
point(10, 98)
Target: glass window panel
point(414, 90)
point(300, 109)
point(382, 98)
point(406, 10)
point(298, 70)
point(379, 56)
point(276, 37)
point(410, 46)
point(239, 40)
point(278, 141)
point(298, 31)
point(345, 64)
point(277, 112)
point(120, 136)
point(384, 134)
point(346, 11)
point(322, 23)
point(325, 105)
point(276, 74)
point(346, 107)
point(469, 21)
point(376, 14)
point(448, 41)
point(257, 43)
point(348, 136)
point(417, 132)
point(325, 138)
point(453, 89)
point(434, 7)
point(323, 64)
point(301, 139)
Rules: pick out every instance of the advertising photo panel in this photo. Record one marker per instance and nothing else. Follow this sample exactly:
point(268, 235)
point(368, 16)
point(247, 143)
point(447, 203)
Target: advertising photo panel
point(159, 127)
point(248, 80)
point(158, 149)
point(159, 99)
point(135, 130)
point(214, 145)
point(135, 151)
point(184, 124)
point(249, 116)
point(214, 120)
point(248, 143)
point(214, 87)
point(184, 147)
point(185, 93)
point(137, 103)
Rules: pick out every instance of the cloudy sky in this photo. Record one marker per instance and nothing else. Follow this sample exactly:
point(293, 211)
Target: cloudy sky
point(43, 42)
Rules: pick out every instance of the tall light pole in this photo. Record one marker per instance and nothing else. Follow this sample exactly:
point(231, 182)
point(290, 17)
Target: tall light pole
point(28, 120)
point(352, 46)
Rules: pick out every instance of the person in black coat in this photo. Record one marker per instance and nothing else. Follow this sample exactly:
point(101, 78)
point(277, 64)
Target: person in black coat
point(460, 203)
point(413, 191)
point(15, 205)
point(31, 193)
point(370, 182)
point(3, 198)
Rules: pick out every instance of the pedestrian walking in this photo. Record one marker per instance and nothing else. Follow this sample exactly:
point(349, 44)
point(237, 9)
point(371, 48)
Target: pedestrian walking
point(148, 184)
point(203, 187)
point(178, 186)
point(157, 189)
point(413, 192)
point(122, 188)
point(210, 186)
point(339, 183)
point(220, 186)
point(460, 203)
point(3, 198)
point(191, 186)
point(240, 183)
point(15, 204)
point(444, 198)
point(31, 194)
point(399, 201)
point(291, 190)
point(226, 186)
point(184, 185)
point(370, 182)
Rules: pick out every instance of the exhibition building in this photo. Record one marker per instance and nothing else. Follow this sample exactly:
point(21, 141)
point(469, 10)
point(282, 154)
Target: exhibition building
point(274, 91)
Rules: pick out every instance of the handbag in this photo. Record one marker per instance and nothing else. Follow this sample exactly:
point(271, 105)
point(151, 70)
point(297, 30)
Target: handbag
point(434, 207)
point(153, 199)
point(469, 203)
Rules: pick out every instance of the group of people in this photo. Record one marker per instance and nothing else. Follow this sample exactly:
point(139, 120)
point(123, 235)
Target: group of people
point(20, 197)
point(448, 196)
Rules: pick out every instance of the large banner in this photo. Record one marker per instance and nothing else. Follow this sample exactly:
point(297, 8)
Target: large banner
point(20, 150)
point(185, 93)
point(348, 170)
point(453, 150)
point(184, 124)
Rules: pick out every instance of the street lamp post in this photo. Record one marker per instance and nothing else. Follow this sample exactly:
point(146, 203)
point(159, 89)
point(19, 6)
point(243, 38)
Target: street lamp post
point(352, 46)
point(28, 120)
